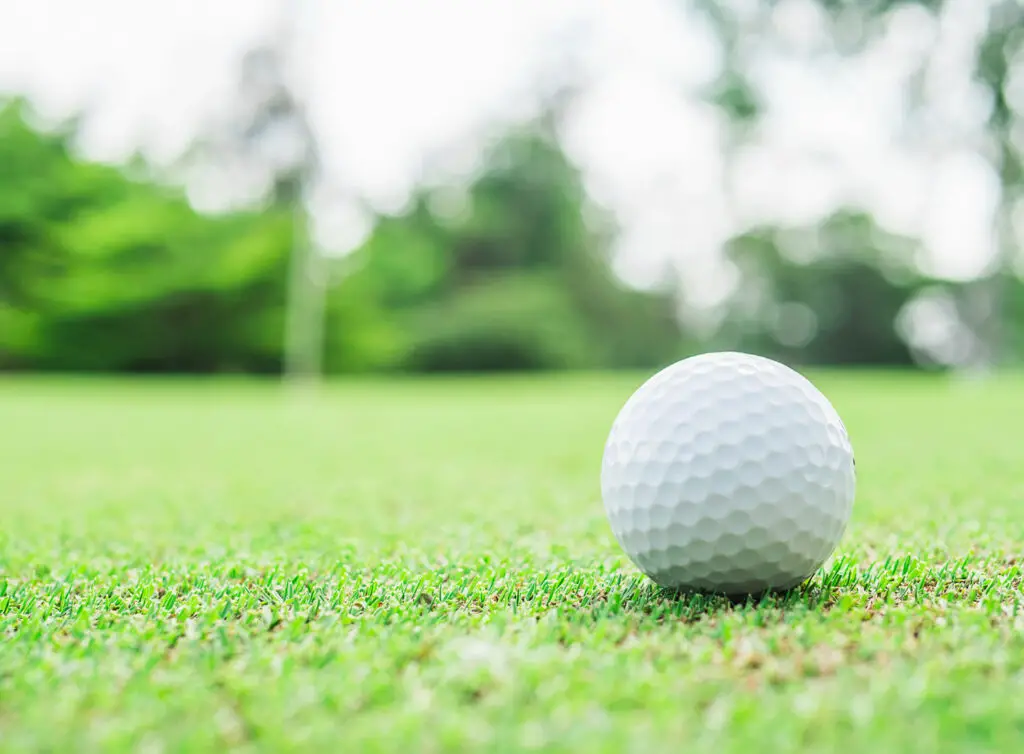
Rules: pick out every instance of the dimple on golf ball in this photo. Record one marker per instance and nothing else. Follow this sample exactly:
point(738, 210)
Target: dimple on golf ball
point(728, 473)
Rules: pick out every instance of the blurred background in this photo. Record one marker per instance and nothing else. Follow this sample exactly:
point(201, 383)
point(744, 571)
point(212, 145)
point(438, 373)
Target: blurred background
point(329, 187)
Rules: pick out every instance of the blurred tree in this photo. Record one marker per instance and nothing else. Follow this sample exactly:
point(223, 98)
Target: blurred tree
point(512, 273)
point(36, 194)
point(732, 90)
point(103, 272)
point(999, 67)
point(106, 272)
point(269, 133)
point(985, 305)
point(837, 304)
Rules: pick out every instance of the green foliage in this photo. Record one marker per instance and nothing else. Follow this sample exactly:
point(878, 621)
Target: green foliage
point(165, 290)
point(36, 195)
point(518, 279)
point(837, 304)
point(359, 335)
point(1013, 316)
point(407, 261)
point(512, 321)
point(103, 272)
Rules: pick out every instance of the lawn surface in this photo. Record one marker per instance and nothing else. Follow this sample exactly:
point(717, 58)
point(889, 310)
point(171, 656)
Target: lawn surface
point(426, 567)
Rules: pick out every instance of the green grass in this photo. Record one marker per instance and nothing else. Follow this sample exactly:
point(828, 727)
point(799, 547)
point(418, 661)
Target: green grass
point(426, 567)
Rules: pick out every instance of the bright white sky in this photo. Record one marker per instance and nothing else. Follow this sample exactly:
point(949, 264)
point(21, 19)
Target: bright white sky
point(389, 80)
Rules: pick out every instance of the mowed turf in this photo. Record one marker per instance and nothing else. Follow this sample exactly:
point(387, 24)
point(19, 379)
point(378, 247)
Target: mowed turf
point(426, 566)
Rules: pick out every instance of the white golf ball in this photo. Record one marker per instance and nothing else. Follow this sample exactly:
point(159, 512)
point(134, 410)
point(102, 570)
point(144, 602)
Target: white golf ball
point(728, 473)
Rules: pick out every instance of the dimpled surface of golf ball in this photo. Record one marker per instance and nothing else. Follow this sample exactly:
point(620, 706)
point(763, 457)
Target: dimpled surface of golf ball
point(728, 473)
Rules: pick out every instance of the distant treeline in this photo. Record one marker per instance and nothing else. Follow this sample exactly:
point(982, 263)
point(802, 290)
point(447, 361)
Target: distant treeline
point(103, 271)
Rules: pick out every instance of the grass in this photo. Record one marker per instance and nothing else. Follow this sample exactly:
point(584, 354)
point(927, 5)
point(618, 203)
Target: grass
point(426, 567)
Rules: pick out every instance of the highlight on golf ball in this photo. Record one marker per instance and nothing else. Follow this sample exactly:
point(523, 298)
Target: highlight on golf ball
point(728, 473)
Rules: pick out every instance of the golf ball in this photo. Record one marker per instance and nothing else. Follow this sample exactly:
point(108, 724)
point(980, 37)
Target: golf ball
point(728, 473)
